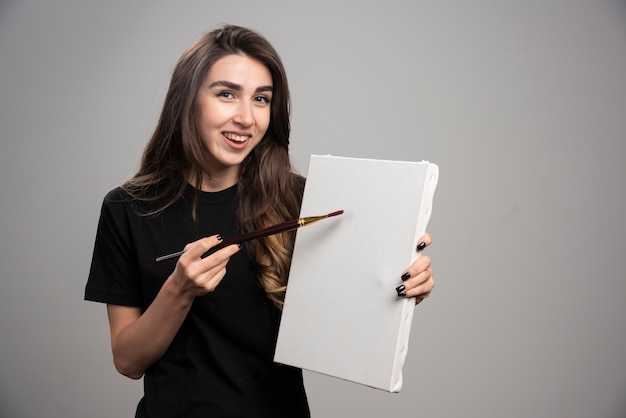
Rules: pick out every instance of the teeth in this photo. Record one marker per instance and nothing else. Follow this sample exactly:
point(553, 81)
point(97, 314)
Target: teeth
point(237, 138)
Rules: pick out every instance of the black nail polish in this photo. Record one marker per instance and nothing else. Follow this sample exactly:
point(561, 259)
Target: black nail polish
point(405, 276)
point(401, 290)
point(219, 237)
point(421, 246)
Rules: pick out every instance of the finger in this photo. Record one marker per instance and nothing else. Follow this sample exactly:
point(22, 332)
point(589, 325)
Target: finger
point(210, 279)
point(215, 267)
point(219, 258)
point(424, 241)
point(227, 251)
point(190, 263)
point(421, 284)
point(423, 289)
point(195, 249)
point(204, 274)
point(419, 265)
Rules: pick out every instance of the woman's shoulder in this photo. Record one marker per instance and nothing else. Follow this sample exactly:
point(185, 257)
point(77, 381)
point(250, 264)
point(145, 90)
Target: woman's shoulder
point(117, 195)
point(124, 198)
point(117, 203)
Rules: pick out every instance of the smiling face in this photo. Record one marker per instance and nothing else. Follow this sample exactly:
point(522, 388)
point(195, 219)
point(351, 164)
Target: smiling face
point(232, 115)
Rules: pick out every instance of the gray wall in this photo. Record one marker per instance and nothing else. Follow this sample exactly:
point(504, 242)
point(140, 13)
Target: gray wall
point(521, 104)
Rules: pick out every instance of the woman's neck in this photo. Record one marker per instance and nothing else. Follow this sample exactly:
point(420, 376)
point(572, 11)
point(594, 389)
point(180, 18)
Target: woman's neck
point(216, 181)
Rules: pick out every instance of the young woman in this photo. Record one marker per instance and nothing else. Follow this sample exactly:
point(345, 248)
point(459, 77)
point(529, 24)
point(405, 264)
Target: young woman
point(202, 330)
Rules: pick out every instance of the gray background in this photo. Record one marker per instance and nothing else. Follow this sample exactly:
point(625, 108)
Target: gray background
point(521, 104)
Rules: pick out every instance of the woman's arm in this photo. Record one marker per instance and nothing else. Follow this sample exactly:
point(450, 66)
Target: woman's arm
point(138, 340)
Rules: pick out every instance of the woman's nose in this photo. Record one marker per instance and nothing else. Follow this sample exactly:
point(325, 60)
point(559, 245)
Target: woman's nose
point(245, 114)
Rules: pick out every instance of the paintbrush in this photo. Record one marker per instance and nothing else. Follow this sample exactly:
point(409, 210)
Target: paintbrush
point(271, 230)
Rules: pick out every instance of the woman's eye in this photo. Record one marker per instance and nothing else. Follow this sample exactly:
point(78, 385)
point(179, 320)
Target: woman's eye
point(226, 94)
point(263, 99)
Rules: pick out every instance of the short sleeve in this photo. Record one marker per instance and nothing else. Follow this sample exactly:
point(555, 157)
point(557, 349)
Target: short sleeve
point(114, 273)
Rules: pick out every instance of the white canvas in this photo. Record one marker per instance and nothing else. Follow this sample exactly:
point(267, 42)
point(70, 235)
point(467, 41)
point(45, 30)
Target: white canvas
point(342, 316)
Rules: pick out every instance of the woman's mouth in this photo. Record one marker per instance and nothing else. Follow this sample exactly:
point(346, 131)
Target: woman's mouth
point(235, 137)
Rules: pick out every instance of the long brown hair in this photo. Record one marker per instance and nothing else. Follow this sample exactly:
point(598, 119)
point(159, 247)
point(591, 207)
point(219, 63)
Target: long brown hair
point(268, 190)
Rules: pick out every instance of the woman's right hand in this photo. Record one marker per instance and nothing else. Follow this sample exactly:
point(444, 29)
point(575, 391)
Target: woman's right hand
point(196, 276)
point(139, 339)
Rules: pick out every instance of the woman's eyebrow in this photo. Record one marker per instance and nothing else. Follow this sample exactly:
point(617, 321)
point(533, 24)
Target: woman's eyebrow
point(227, 84)
point(264, 88)
point(237, 87)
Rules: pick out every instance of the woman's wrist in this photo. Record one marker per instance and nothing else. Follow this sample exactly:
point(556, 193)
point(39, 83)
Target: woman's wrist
point(179, 295)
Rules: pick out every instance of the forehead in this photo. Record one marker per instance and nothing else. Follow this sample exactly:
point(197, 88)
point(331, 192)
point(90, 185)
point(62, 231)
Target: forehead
point(240, 69)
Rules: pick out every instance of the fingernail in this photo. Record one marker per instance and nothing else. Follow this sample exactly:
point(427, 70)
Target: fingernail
point(405, 276)
point(421, 246)
point(219, 237)
point(401, 290)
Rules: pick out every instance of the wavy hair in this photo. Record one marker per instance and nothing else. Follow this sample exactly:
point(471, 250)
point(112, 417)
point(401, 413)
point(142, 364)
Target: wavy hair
point(268, 189)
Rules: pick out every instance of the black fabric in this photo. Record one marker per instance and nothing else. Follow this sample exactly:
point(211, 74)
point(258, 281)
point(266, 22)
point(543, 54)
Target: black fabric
point(220, 362)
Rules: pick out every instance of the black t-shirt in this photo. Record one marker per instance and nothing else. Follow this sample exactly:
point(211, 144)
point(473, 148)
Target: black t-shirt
point(220, 361)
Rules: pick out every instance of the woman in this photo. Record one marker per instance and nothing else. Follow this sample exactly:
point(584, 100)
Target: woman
point(202, 330)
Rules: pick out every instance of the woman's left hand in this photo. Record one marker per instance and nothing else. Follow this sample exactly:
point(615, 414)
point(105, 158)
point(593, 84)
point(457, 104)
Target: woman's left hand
point(417, 280)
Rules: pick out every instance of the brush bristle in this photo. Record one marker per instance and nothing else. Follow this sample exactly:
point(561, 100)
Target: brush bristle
point(339, 212)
